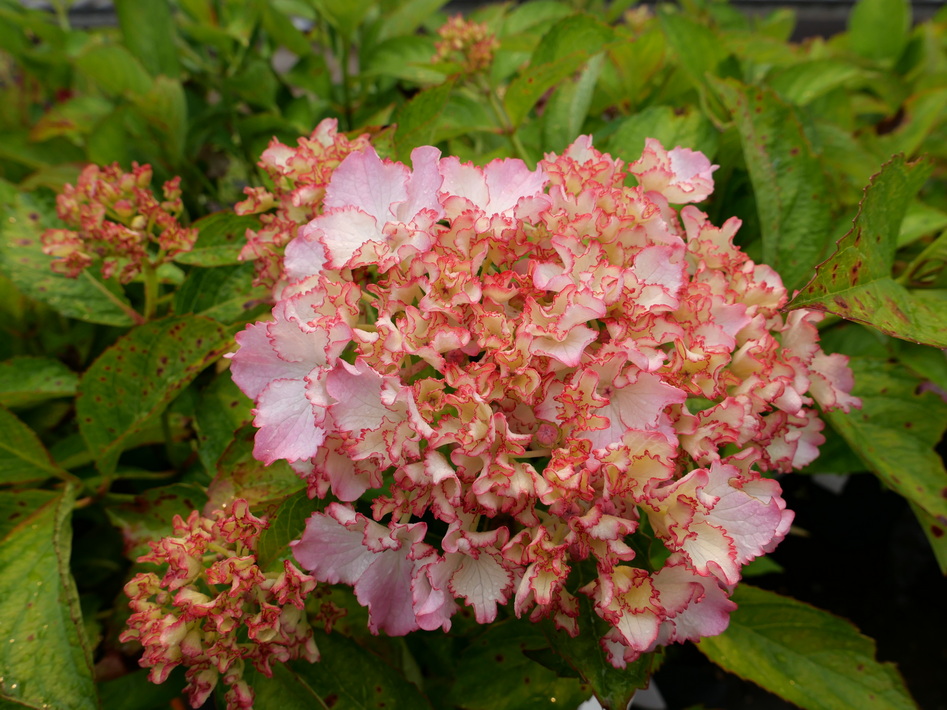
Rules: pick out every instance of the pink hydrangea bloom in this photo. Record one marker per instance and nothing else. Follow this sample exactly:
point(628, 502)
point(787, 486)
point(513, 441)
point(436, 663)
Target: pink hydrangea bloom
point(548, 363)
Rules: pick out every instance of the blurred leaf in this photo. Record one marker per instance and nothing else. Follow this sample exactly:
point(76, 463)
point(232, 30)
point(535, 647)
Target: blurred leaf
point(565, 113)
point(347, 677)
point(698, 49)
point(613, 688)
point(689, 130)
point(74, 118)
point(18, 147)
point(403, 20)
point(23, 217)
point(225, 293)
point(25, 381)
point(115, 69)
point(920, 220)
point(149, 33)
point(148, 517)
point(920, 115)
point(807, 656)
point(896, 430)
point(855, 282)
point(802, 83)
point(287, 523)
point(220, 238)
point(563, 50)
point(23, 458)
point(791, 189)
point(39, 606)
point(344, 16)
point(163, 107)
point(418, 120)
point(255, 83)
point(280, 26)
point(133, 691)
point(496, 672)
point(878, 29)
point(134, 380)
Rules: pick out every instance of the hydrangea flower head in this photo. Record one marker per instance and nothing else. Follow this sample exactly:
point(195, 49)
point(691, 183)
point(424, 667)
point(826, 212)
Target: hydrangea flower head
point(559, 370)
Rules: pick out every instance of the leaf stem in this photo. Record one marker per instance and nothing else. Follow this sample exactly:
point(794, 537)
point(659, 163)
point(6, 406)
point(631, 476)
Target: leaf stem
point(128, 310)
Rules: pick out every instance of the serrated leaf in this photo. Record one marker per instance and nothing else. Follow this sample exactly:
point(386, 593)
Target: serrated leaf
point(220, 236)
point(25, 381)
point(792, 195)
point(613, 688)
point(856, 283)
point(497, 672)
point(286, 524)
point(23, 217)
point(39, 606)
point(225, 293)
point(347, 677)
point(564, 49)
point(23, 458)
point(148, 517)
point(418, 119)
point(135, 379)
point(806, 656)
point(895, 432)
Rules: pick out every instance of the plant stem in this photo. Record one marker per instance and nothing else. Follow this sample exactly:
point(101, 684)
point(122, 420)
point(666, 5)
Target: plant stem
point(150, 278)
point(503, 118)
point(128, 310)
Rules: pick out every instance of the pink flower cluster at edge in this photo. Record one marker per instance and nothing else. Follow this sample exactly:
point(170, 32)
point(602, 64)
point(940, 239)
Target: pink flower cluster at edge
point(212, 593)
point(558, 370)
point(114, 217)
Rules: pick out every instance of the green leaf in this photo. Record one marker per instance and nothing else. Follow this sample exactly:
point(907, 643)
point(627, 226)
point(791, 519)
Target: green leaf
point(698, 49)
point(23, 458)
point(792, 195)
point(563, 50)
point(407, 17)
point(418, 119)
point(133, 691)
point(73, 118)
point(807, 656)
point(344, 16)
point(226, 294)
point(347, 677)
point(496, 672)
point(936, 533)
point(920, 220)
point(286, 524)
point(164, 108)
point(115, 69)
point(568, 107)
point(220, 236)
point(149, 33)
point(689, 130)
point(878, 29)
point(147, 518)
point(855, 282)
point(134, 380)
point(39, 606)
point(221, 411)
point(239, 475)
point(803, 83)
point(895, 432)
point(23, 217)
point(613, 688)
point(25, 381)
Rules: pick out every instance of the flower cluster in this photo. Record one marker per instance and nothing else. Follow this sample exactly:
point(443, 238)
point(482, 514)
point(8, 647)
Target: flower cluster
point(299, 176)
point(215, 609)
point(469, 43)
point(547, 382)
point(114, 217)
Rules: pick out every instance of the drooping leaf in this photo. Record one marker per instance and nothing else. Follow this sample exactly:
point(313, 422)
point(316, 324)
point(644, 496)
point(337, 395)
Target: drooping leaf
point(806, 656)
point(497, 672)
point(856, 281)
point(23, 458)
point(23, 217)
point(613, 688)
point(564, 49)
point(347, 677)
point(26, 380)
point(134, 380)
point(220, 237)
point(39, 606)
point(790, 185)
point(895, 432)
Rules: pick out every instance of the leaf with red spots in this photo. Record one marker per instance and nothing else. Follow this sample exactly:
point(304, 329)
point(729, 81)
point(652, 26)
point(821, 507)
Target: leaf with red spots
point(23, 217)
point(791, 187)
point(809, 657)
point(895, 432)
point(856, 282)
point(134, 380)
point(39, 606)
point(347, 677)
